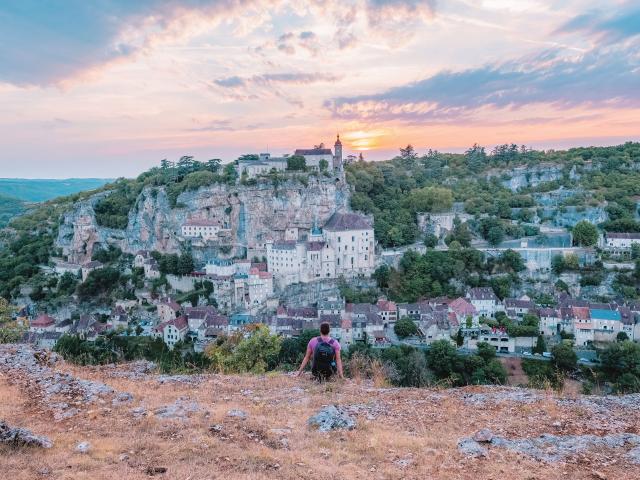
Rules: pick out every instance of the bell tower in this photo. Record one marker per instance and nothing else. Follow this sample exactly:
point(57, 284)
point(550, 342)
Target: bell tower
point(337, 154)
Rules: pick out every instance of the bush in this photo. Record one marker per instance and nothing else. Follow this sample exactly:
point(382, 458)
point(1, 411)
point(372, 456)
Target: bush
point(255, 350)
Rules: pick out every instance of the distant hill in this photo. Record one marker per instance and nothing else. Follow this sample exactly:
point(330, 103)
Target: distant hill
point(9, 208)
point(40, 190)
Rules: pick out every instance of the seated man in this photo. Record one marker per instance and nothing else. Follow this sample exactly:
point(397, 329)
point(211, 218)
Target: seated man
point(325, 354)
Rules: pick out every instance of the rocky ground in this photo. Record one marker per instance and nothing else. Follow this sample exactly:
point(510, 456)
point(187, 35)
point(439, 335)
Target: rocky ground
point(61, 421)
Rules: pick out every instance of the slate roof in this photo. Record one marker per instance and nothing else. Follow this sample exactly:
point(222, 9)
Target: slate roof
point(347, 221)
point(313, 151)
point(625, 236)
point(482, 293)
point(285, 245)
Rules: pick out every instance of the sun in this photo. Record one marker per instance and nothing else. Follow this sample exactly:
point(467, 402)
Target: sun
point(363, 140)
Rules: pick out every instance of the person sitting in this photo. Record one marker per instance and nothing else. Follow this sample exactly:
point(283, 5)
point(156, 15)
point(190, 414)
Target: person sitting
point(324, 353)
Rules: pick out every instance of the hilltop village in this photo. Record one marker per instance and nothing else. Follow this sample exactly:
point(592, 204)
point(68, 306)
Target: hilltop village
point(192, 252)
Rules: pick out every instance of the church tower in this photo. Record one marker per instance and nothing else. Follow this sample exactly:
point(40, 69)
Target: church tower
point(337, 154)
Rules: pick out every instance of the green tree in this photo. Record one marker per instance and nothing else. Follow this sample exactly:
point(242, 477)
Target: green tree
point(459, 338)
point(486, 351)
point(558, 264)
point(405, 327)
point(585, 234)
point(495, 235)
point(442, 358)
point(296, 162)
point(430, 241)
point(563, 357)
point(540, 346)
point(324, 165)
point(622, 336)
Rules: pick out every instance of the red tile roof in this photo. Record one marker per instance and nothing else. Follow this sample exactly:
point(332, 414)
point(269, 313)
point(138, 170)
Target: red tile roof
point(43, 321)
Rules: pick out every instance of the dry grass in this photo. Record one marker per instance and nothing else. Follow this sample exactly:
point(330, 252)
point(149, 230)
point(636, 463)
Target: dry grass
point(414, 435)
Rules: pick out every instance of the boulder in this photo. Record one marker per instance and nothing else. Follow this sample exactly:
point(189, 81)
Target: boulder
point(483, 436)
point(21, 437)
point(332, 418)
point(470, 448)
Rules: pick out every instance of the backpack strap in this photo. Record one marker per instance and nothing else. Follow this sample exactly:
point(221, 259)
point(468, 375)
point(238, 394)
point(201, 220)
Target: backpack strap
point(331, 342)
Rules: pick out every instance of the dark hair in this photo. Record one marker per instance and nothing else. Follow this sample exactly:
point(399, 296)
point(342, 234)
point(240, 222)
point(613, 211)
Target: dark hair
point(324, 328)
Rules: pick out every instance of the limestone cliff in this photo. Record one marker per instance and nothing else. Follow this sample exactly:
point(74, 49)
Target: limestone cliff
point(252, 214)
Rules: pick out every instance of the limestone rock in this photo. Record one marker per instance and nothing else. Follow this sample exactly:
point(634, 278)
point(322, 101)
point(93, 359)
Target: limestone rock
point(332, 418)
point(237, 414)
point(471, 448)
point(21, 437)
point(83, 447)
point(483, 436)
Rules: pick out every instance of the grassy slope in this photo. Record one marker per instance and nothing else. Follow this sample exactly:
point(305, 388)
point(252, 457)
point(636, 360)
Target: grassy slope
point(414, 434)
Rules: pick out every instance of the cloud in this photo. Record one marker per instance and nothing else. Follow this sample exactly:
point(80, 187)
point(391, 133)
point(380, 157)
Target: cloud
point(43, 43)
point(270, 79)
point(606, 27)
point(230, 82)
point(601, 77)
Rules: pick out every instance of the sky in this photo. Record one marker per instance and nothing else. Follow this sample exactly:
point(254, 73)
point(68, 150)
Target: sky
point(107, 88)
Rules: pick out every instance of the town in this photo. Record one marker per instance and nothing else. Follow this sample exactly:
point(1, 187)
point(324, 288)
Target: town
point(293, 258)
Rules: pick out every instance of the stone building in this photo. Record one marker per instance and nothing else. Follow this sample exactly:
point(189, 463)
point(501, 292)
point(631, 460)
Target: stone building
point(344, 247)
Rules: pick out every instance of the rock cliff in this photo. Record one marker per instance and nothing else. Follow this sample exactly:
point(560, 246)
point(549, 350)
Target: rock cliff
point(252, 214)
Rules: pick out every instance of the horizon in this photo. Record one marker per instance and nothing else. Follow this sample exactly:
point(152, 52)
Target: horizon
point(128, 84)
point(391, 157)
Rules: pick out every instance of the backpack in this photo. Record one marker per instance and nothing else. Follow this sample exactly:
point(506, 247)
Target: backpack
point(324, 357)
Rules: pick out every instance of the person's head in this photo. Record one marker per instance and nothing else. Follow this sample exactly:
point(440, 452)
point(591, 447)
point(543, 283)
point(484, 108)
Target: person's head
point(325, 328)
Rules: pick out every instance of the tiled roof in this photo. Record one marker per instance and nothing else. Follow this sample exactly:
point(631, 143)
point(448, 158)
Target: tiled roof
point(313, 151)
point(43, 321)
point(624, 236)
point(517, 303)
point(315, 246)
point(347, 221)
point(202, 222)
point(285, 245)
point(92, 264)
point(482, 293)
point(462, 307)
point(387, 306)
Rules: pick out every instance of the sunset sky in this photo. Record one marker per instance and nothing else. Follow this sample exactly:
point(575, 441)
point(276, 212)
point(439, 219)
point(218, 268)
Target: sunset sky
point(106, 88)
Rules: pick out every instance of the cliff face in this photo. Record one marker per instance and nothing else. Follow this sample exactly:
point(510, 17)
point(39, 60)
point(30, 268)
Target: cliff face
point(252, 214)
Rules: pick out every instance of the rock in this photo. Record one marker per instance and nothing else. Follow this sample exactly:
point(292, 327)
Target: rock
point(178, 410)
point(83, 447)
point(138, 412)
point(471, 448)
point(21, 437)
point(332, 418)
point(216, 428)
point(556, 448)
point(237, 414)
point(123, 397)
point(151, 471)
point(634, 455)
point(483, 436)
